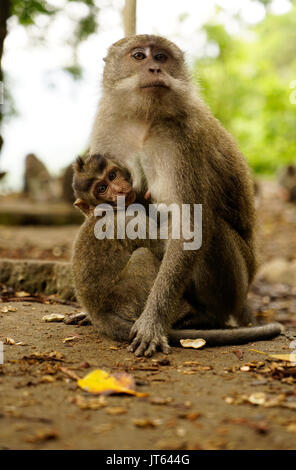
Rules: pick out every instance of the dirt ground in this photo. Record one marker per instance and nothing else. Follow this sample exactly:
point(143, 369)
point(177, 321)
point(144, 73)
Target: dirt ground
point(228, 397)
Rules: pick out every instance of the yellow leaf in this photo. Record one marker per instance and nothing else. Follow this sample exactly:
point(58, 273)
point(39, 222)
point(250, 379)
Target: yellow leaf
point(290, 357)
point(99, 381)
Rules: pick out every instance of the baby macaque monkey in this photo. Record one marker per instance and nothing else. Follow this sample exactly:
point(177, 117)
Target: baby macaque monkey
point(100, 180)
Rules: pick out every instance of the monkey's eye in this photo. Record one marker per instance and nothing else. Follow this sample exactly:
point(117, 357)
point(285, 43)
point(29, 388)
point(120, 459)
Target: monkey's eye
point(160, 57)
point(139, 55)
point(112, 175)
point(101, 188)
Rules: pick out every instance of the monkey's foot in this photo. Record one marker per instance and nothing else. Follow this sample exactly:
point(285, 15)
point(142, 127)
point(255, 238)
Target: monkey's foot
point(147, 339)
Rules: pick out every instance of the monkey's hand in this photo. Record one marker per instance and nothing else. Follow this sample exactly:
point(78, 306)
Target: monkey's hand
point(148, 337)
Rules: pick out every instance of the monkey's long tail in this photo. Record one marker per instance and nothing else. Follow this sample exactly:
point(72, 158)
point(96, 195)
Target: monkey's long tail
point(222, 337)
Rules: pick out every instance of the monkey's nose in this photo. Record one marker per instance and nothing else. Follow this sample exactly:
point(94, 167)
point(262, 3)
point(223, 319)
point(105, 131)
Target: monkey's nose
point(154, 70)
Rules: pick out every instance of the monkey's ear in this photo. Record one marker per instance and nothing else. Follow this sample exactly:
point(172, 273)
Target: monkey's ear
point(78, 164)
point(105, 59)
point(83, 206)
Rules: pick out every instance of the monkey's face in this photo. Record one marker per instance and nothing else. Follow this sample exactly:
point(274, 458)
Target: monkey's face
point(110, 185)
point(152, 67)
point(145, 71)
point(98, 180)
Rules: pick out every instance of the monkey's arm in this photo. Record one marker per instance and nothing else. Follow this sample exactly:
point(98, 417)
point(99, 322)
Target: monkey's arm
point(149, 332)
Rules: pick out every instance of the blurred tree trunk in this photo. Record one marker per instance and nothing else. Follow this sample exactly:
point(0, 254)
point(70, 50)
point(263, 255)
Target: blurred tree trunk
point(4, 15)
point(129, 17)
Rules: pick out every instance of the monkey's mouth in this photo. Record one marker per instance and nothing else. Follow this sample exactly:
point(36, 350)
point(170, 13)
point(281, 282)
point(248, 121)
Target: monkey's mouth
point(155, 85)
point(130, 198)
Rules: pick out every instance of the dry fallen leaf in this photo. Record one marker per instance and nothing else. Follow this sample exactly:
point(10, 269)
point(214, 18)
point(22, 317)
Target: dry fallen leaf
point(69, 372)
point(258, 398)
point(163, 361)
point(239, 354)
point(22, 294)
point(8, 308)
point(116, 410)
point(46, 379)
point(290, 357)
point(191, 363)
point(46, 356)
point(92, 404)
point(193, 343)
point(43, 435)
point(53, 317)
point(11, 341)
point(160, 400)
point(70, 338)
point(146, 423)
point(99, 381)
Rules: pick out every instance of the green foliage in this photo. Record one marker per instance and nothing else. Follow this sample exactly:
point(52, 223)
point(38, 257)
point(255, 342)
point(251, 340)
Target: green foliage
point(247, 86)
point(88, 24)
point(26, 10)
point(74, 70)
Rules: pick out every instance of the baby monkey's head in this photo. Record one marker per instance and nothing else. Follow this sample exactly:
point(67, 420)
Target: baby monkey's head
point(99, 179)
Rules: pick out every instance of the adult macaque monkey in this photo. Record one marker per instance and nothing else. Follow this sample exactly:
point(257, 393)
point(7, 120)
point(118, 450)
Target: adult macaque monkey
point(151, 118)
point(113, 278)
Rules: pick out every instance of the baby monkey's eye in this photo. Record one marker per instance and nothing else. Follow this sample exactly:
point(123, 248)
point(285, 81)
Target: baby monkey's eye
point(112, 175)
point(139, 55)
point(101, 188)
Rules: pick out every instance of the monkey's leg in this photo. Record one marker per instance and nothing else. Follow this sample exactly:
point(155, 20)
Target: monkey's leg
point(127, 299)
point(162, 308)
point(222, 278)
point(96, 266)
